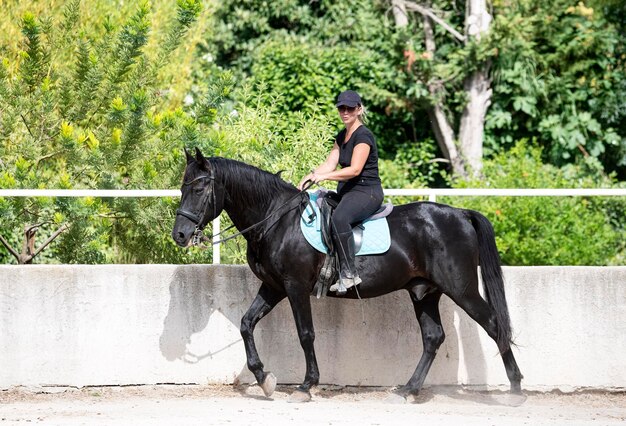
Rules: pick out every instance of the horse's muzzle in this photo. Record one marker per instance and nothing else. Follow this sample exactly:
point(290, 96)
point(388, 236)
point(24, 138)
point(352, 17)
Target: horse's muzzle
point(181, 239)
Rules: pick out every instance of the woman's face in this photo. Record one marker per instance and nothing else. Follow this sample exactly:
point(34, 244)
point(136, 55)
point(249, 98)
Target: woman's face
point(349, 114)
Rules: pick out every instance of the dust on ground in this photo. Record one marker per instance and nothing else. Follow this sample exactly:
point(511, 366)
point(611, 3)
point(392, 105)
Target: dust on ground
point(335, 405)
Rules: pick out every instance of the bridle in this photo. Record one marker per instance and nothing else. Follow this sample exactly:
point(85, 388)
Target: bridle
point(196, 218)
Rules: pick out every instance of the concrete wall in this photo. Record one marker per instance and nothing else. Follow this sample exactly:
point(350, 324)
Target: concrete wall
point(146, 324)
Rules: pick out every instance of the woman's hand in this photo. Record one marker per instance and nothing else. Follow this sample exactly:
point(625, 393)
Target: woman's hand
point(304, 180)
point(311, 177)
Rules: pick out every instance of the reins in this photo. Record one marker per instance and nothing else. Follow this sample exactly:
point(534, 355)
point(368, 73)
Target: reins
point(199, 237)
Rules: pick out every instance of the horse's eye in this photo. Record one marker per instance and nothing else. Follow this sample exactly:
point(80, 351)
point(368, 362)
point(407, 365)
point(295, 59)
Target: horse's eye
point(198, 190)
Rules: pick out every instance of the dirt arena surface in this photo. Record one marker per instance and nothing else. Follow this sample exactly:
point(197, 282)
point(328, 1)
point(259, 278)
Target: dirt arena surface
point(243, 405)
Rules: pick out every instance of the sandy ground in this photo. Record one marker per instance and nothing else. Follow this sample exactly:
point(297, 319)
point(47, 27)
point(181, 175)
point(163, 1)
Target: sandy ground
point(243, 405)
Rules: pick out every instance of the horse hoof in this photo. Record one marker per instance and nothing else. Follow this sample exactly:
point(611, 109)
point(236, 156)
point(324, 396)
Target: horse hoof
point(269, 384)
point(514, 399)
point(394, 398)
point(300, 396)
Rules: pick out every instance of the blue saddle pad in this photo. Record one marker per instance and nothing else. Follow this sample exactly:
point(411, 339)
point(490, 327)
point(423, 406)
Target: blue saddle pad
point(376, 238)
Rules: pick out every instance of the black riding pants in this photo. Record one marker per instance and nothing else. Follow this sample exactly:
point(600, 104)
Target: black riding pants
point(357, 204)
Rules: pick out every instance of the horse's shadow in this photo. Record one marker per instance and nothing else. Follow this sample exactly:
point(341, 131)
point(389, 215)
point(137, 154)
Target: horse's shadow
point(205, 309)
point(189, 311)
point(197, 293)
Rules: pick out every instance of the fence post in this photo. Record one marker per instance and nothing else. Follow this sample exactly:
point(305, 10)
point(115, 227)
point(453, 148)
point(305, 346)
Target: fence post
point(216, 237)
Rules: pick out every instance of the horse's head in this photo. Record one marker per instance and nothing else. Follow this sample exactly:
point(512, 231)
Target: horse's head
point(201, 199)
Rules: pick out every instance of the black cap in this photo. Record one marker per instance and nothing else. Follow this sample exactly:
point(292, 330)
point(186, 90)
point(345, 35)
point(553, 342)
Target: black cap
point(348, 98)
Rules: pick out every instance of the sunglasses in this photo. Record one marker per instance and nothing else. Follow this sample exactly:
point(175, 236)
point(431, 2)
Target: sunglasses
point(344, 108)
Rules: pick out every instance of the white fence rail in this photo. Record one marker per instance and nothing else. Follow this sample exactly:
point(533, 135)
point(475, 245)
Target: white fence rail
point(422, 192)
point(431, 193)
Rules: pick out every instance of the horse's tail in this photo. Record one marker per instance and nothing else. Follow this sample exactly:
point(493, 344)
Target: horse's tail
point(493, 283)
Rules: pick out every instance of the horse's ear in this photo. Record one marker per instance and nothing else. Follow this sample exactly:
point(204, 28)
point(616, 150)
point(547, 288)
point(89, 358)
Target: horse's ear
point(201, 160)
point(189, 156)
point(199, 156)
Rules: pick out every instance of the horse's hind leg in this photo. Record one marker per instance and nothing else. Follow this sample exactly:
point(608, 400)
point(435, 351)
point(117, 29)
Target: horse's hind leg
point(264, 302)
point(427, 312)
point(480, 311)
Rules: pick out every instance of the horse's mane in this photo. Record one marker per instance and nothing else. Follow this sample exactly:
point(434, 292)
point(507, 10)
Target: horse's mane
point(266, 185)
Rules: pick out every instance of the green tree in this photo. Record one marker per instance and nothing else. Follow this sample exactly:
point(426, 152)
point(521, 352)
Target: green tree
point(449, 63)
point(307, 52)
point(560, 77)
point(549, 230)
point(98, 120)
point(88, 101)
point(552, 71)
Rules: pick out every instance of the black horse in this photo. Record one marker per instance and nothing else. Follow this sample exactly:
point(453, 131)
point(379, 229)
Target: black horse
point(436, 249)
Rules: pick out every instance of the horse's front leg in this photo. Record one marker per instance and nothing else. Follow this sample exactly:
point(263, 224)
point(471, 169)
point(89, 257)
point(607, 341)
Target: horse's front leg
point(264, 302)
point(300, 301)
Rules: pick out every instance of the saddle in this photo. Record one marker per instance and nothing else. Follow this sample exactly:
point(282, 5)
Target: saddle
point(327, 203)
point(371, 236)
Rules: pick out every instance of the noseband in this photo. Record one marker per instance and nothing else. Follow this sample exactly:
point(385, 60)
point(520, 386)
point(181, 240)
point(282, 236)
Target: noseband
point(196, 218)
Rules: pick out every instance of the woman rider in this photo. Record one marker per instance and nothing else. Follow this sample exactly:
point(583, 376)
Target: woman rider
point(359, 185)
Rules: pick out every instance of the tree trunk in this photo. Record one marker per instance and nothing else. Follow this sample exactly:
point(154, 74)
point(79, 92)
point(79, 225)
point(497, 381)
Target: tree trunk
point(464, 153)
point(444, 133)
point(399, 13)
point(471, 133)
point(28, 247)
point(478, 89)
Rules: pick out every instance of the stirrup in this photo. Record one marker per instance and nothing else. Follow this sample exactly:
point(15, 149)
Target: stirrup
point(343, 284)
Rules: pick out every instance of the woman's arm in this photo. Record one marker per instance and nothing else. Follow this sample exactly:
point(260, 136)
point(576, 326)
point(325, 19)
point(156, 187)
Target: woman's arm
point(359, 157)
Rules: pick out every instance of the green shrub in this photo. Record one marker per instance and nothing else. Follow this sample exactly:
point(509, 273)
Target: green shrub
point(85, 105)
point(549, 230)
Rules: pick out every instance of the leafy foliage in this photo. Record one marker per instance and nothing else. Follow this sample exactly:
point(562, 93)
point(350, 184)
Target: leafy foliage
point(549, 230)
point(309, 52)
point(106, 96)
point(560, 79)
point(414, 166)
point(97, 121)
point(558, 69)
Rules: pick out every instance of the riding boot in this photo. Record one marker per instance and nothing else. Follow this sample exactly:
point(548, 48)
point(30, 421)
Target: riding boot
point(348, 276)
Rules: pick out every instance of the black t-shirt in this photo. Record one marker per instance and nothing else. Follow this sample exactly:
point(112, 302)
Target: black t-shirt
point(369, 175)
